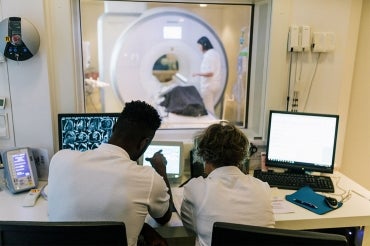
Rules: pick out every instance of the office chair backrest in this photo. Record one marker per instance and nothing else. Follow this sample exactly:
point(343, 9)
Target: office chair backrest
point(236, 234)
point(62, 233)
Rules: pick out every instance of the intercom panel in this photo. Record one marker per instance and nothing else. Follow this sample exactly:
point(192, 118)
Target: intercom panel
point(19, 39)
point(19, 169)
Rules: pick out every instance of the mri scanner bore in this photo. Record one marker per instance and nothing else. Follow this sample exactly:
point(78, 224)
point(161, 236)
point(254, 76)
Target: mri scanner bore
point(149, 50)
point(165, 68)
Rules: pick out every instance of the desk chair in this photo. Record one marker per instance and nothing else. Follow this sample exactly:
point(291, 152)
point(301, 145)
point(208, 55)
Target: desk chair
point(62, 233)
point(236, 234)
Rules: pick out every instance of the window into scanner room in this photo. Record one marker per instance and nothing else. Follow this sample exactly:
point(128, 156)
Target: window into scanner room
point(149, 51)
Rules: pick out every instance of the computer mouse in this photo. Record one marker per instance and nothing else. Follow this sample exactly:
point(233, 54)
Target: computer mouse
point(331, 202)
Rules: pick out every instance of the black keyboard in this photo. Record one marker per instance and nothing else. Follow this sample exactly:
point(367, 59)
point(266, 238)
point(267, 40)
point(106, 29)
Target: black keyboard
point(292, 181)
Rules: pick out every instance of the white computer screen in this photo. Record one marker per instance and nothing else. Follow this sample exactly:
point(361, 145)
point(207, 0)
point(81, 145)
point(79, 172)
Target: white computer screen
point(302, 140)
point(173, 151)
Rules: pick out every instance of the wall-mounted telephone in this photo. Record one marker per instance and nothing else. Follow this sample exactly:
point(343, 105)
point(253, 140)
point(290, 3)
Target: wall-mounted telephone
point(20, 169)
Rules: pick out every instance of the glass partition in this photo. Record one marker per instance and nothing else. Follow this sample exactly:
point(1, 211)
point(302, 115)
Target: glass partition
point(143, 50)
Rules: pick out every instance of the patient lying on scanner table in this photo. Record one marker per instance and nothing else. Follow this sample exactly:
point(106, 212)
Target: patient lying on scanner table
point(179, 102)
point(184, 100)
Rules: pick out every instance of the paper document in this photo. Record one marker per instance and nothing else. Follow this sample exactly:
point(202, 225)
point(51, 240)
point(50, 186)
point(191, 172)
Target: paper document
point(279, 204)
point(281, 207)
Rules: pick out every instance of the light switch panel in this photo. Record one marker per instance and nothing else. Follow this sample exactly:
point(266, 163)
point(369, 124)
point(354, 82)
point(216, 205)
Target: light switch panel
point(4, 132)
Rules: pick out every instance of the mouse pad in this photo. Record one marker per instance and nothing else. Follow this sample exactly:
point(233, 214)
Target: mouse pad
point(306, 198)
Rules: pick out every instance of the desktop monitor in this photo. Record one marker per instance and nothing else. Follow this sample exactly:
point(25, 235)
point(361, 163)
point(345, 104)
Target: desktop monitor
point(302, 142)
point(236, 234)
point(174, 153)
point(85, 131)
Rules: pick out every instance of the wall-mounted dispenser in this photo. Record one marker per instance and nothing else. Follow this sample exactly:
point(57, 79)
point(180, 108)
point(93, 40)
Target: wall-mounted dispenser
point(19, 39)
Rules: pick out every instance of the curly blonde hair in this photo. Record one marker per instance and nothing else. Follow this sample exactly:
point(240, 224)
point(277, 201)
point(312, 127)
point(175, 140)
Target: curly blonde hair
point(222, 144)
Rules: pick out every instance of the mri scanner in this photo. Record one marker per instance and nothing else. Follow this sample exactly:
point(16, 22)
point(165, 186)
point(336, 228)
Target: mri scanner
point(131, 43)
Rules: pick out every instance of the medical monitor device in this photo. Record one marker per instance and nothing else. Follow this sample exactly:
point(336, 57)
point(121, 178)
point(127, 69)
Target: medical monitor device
point(302, 142)
point(237, 234)
point(173, 151)
point(19, 169)
point(85, 131)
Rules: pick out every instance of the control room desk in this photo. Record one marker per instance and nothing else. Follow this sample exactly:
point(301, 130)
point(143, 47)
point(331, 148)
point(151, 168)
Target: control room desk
point(354, 212)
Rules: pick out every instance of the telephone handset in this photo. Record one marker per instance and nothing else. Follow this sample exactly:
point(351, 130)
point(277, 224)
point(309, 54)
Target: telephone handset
point(14, 29)
point(20, 169)
point(16, 49)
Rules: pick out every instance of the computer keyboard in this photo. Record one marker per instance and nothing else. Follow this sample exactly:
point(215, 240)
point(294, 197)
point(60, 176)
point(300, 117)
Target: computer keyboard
point(294, 181)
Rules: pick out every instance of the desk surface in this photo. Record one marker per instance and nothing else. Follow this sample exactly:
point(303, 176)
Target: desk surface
point(354, 212)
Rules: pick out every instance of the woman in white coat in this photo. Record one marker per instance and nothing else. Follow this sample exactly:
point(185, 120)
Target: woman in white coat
point(210, 74)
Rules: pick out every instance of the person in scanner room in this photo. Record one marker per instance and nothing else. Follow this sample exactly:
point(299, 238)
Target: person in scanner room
point(210, 74)
point(106, 184)
point(226, 194)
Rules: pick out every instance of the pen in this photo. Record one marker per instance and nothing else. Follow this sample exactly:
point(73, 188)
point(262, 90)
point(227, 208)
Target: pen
point(305, 203)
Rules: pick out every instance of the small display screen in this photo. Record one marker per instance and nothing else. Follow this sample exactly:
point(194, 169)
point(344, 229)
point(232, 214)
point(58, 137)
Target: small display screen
point(172, 152)
point(2, 102)
point(172, 32)
point(21, 165)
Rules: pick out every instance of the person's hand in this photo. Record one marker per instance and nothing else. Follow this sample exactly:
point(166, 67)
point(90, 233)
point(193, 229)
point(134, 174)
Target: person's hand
point(195, 74)
point(158, 162)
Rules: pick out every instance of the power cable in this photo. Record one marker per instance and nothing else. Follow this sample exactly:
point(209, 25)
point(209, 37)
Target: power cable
point(310, 86)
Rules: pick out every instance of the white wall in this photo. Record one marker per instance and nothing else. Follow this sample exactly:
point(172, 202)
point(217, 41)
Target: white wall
point(331, 86)
point(27, 84)
point(47, 84)
point(356, 158)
